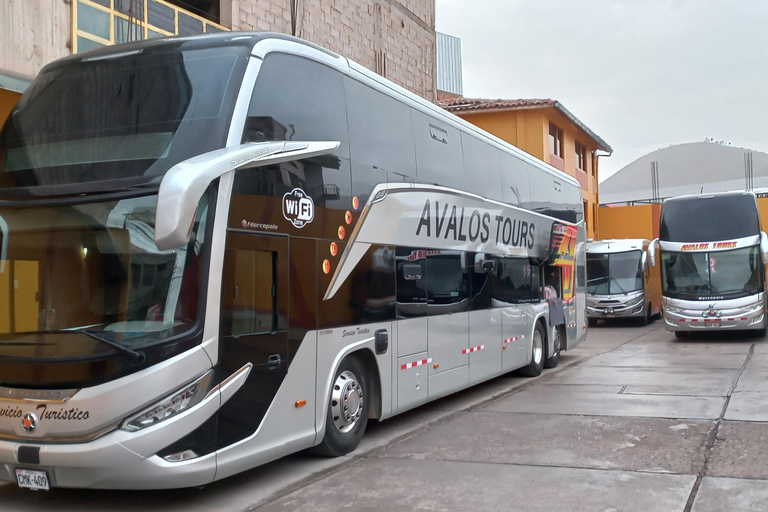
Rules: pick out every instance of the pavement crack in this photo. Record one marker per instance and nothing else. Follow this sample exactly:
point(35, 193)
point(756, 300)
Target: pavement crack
point(712, 435)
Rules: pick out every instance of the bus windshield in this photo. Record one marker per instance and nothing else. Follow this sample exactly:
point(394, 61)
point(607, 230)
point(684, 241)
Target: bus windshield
point(704, 275)
point(94, 267)
point(613, 273)
point(98, 123)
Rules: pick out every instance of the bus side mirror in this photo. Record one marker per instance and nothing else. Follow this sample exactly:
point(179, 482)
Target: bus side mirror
point(652, 251)
point(764, 247)
point(644, 262)
point(184, 184)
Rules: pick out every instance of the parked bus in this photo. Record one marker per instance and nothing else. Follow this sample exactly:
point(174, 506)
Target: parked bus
point(713, 257)
point(620, 283)
point(220, 250)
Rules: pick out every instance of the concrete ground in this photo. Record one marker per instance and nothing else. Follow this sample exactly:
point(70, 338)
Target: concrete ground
point(632, 420)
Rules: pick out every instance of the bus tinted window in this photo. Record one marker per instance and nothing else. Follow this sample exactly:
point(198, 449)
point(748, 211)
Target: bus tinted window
point(516, 281)
point(704, 219)
point(481, 162)
point(119, 121)
point(367, 295)
point(438, 152)
point(377, 123)
point(297, 99)
point(431, 282)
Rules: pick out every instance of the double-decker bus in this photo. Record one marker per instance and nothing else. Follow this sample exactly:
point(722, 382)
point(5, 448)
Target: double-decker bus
point(713, 257)
point(620, 282)
point(223, 249)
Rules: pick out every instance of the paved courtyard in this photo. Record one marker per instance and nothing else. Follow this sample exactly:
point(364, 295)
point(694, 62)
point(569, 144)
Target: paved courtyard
point(632, 420)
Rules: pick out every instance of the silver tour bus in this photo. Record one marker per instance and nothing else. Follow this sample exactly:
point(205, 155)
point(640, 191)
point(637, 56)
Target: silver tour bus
point(220, 250)
point(713, 257)
point(620, 282)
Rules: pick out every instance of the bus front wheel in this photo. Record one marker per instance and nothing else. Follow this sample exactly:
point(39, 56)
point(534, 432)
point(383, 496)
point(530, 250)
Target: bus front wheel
point(347, 413)
point(681, 334)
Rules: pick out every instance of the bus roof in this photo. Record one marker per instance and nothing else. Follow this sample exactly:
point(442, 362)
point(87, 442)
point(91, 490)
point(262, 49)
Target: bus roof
point(617, 245)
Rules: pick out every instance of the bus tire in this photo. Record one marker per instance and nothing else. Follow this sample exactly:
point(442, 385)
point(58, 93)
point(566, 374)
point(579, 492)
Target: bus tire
point(347, 412)
point(760, 333)
point(646, 315)
point(551, 361)
point(681, 335)
point(537, 353)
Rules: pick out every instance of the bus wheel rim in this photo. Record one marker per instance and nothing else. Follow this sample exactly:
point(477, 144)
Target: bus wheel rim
point(538, 348)
point(346, 401)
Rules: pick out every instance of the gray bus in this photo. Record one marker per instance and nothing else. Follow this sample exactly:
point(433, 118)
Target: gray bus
point(223, 249)
point(713, 257)
point(620, 283)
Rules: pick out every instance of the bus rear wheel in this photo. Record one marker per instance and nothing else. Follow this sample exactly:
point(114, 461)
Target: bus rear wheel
point(551, 361)
point(537, 353)
point(681, 335)
point(348, 407)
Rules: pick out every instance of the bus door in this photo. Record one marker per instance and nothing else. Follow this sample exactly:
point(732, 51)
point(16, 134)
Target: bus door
point(254, 328)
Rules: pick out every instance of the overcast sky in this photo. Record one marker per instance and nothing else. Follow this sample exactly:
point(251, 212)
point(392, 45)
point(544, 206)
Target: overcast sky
point(641, 74)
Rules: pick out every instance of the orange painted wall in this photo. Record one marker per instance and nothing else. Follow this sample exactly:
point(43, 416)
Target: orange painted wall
point(640, 221)
point(7, 101)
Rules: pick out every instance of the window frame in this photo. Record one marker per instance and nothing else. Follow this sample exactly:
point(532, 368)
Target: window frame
point(555, 140)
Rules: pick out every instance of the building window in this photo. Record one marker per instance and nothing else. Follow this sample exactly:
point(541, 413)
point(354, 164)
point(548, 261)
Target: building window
point(586, 212)
point(555, 140)
point(581, 156)
point(98, 23)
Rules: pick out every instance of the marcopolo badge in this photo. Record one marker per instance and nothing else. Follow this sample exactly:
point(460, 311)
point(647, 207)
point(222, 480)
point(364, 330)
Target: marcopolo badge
point(298, 208)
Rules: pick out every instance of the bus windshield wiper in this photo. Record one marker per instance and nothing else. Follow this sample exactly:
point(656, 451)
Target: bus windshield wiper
point(617, 284)
point(133, 355)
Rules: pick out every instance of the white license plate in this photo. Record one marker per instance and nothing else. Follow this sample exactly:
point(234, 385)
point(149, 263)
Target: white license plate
point(32, 479)
point(713, 324)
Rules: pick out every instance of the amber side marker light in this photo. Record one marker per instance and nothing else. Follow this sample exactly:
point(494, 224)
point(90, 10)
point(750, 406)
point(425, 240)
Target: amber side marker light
point(300, 403)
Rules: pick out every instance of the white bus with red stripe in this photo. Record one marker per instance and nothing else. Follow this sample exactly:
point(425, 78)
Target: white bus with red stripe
point(713, 255)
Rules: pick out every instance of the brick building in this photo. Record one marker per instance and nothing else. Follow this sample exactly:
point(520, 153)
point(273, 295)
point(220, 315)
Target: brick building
point(395, 38)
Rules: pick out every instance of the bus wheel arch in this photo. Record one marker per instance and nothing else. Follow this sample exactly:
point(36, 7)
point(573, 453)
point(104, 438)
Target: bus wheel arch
point(353, 397)
point(538, 350)
point(558, 344)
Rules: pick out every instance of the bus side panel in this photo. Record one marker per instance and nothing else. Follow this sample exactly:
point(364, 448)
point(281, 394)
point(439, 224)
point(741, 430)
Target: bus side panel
point(285, 428)
point(485, 336)
point(448, 341)
point(516, 336)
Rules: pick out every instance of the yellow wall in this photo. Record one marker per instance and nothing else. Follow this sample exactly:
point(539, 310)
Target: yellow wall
point(7, 101)
point(640, 221)
point(528, 129)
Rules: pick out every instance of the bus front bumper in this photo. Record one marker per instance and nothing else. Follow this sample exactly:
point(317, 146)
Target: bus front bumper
point(106, 464)
point(689, 319)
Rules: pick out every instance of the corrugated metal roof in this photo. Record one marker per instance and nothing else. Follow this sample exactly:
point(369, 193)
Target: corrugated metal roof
point(449, 77)
point(692, 168)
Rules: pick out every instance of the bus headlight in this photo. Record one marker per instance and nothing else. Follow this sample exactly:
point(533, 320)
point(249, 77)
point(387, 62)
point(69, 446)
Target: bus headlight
point(674, 310)
point(181, 400)
point(635, 301)
point(756, 306)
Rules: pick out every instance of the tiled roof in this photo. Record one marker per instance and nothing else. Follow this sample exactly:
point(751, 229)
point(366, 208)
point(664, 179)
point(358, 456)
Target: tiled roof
point(459, 105)
point(468, 104)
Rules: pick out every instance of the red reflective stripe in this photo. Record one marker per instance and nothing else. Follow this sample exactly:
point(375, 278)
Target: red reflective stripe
point(682, 319)
point(743, 318)
point(415, 364)
point(473, 349)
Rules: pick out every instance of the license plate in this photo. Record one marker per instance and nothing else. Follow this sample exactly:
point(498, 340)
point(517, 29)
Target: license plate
point(713, 324)
point(32, 479)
